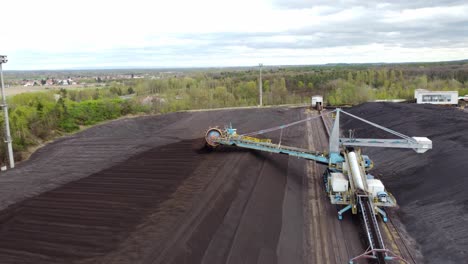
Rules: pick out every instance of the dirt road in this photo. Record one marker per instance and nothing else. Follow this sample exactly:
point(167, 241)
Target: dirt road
point(331, 241)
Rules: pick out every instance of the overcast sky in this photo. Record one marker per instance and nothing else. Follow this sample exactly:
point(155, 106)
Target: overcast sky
point(60, 34)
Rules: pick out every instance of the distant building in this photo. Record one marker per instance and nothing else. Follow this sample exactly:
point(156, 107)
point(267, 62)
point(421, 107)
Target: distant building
point(29, 83)
point(423, 96)
point(317, 99)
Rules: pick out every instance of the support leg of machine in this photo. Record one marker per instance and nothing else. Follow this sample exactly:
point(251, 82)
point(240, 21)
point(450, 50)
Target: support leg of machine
point(340, 213)
point(383, 214)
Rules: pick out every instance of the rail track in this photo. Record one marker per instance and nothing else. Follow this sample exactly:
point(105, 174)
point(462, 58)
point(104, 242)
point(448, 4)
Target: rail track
point(332, 241)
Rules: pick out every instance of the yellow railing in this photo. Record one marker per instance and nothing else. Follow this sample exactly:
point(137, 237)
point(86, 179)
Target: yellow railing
point(259, 140)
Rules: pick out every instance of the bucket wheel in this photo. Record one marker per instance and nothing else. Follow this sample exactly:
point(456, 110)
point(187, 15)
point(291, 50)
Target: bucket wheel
point(212, 135)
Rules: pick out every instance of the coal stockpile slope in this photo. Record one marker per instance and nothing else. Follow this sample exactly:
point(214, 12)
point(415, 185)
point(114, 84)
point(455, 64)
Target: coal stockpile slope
point(82, 154)
point(144, 190)
point(431, 188)
point(84, 218)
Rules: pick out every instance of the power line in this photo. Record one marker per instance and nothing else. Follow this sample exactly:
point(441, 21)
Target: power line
point(268, 130)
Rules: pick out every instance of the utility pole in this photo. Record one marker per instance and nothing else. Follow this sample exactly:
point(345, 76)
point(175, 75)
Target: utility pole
point(3, 59)
point(260, 84)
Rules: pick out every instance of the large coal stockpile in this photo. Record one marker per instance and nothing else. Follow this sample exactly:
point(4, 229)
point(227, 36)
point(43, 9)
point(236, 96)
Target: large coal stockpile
point(144, 190)
point(431, 188)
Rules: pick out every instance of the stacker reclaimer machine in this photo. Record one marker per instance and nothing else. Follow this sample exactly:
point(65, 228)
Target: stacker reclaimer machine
point(347, 181)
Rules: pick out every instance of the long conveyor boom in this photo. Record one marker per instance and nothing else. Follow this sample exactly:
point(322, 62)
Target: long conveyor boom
point(347, 181)
point(274, 148)
point(420, 145)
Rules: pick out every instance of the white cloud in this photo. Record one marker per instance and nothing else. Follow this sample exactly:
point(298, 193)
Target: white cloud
point(100, 33)
point(452, 13)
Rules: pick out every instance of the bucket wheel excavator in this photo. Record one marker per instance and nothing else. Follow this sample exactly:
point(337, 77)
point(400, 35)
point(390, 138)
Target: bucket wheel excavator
point(347, 181)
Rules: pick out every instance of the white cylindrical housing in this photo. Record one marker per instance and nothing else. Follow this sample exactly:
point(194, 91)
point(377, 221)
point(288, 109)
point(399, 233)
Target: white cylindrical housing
point(355, 170)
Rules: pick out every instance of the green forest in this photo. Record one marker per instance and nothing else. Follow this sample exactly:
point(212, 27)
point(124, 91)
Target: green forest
point(36, 118)
point(340, 85)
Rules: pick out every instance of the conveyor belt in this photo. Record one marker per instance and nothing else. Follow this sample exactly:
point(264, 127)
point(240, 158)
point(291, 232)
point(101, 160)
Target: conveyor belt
point(372, 229)
point(275, 148)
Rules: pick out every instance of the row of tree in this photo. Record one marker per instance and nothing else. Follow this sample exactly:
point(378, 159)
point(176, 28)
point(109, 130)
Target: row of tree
point(338, 86)
point(41, 116)
point(37, 117)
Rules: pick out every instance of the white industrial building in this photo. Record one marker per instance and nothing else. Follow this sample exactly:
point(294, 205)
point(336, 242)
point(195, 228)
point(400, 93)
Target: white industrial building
point(423, 96)
point(317, 99)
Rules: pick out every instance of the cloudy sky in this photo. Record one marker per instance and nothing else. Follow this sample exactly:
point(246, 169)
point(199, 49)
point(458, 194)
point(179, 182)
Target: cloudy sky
point(57, 34)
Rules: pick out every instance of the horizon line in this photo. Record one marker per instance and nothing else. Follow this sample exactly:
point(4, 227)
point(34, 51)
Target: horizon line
point(230, 67)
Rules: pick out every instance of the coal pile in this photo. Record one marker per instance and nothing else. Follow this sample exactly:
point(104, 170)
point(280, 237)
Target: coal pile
point(144, 190)
point(431, 188)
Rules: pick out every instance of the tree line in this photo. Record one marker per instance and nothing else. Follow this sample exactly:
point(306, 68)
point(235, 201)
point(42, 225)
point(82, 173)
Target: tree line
point(38, 117)
point(283, 86)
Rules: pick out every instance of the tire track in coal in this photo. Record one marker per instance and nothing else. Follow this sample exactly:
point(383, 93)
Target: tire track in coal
point(221, 246)
point(290, 248)
point(257, 237)
point(248, 201)
point(208, 206)
point(89, 217)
